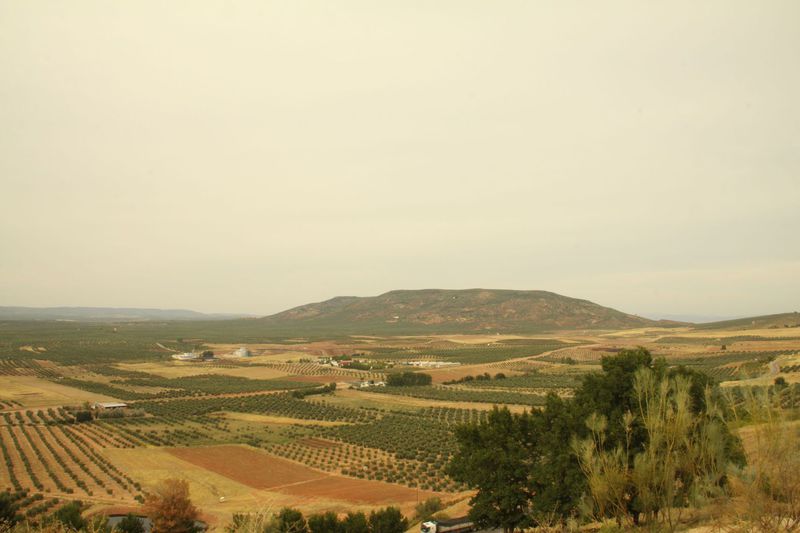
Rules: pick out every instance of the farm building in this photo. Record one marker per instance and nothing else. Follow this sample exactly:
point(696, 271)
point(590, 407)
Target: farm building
point(242, 352)
point(366, 384)
point(109, 406)
point(186, 356)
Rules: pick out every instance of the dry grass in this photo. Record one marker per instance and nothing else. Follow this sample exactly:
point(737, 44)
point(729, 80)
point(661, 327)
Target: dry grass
point(278, 420)
point(179, 369)
point(339, 494)
point(35, 392)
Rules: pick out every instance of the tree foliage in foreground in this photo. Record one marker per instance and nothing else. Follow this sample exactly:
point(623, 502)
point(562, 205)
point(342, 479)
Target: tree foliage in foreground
point(289, 520)
point(170, 509)
point(527, 473)
point(130, 524)
point(8, 511)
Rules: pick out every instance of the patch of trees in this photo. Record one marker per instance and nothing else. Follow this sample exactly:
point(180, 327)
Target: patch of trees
point(408, 379)
point(274, 404)
point(289, 520)
point(325, 389)
point(421, 446)
point(479, 377)
point(636, 441)
point(463, 395)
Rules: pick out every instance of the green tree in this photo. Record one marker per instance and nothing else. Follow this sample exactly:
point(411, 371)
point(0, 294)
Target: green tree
point(388, 520)
point(355, 523)
point(494, 457)
point(83, 416)
point(8, 511)
point(426, 509)
point(291, 521)
point(70, 516)
point(130, 524)
point(682, 461)
point(556, 480)
point(324, 523)
point(526, 473)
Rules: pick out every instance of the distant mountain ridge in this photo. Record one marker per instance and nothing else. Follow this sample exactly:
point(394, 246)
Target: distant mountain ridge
point(106, 314)
point(776, 321)
point(455, 311)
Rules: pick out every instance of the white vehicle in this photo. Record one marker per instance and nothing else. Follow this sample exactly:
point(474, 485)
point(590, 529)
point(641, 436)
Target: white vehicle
point(455, 525)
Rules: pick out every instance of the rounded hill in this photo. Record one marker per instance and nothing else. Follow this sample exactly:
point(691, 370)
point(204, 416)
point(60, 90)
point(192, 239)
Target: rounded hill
point(454, 311)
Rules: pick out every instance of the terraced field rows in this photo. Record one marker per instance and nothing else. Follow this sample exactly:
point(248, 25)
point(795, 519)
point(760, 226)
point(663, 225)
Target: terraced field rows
point(25, 367)
point(44, 454)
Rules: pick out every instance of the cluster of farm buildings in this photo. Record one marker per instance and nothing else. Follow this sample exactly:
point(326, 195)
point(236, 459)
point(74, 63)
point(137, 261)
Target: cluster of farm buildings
point(208, 355)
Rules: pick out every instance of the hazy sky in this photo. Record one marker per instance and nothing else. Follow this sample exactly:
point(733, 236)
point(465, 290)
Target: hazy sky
point(252, 156)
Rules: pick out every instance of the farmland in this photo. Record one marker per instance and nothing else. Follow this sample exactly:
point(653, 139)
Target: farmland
point(271, 430)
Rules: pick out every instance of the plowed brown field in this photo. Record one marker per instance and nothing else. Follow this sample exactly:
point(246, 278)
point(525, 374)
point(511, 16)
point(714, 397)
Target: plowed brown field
point(262, 471)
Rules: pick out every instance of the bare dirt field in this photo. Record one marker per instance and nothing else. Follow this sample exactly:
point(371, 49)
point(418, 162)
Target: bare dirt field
point(247, 466)
point(262, 471)
point(220, 496)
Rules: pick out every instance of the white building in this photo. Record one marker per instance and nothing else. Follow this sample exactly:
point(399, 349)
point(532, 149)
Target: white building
point(242, 352)
point(103, 406)
point(186, 356)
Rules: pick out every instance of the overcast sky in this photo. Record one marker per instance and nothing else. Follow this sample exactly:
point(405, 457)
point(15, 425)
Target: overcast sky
point(238, 156)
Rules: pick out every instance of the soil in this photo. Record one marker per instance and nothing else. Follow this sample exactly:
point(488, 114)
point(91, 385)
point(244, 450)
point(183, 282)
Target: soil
point(262, 471)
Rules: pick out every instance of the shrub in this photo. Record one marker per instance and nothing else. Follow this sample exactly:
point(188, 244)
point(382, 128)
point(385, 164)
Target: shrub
point(355, 523)
point(428, 508)
point(8, 511)
point(324, 523)
point(83, 416)
point(130, 524)
point(291, 521)
point(388, 520)
point(70, 516)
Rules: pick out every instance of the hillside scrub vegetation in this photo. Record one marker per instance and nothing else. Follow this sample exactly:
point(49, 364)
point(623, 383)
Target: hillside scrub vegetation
point(647, 442)
point(767, 490)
